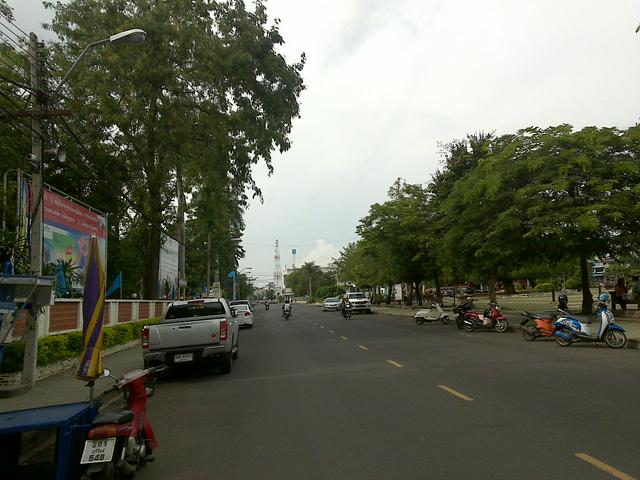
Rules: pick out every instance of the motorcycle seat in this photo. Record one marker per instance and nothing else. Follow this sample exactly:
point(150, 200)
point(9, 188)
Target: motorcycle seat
point(123, 416)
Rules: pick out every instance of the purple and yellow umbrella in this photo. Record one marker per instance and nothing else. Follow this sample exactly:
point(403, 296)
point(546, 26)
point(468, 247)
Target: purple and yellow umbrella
point(90, 366)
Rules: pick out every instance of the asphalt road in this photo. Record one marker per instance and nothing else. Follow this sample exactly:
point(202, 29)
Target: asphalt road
point(378, 397)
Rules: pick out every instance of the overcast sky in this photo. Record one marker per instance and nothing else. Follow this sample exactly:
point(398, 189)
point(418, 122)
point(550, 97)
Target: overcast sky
point(387, 80)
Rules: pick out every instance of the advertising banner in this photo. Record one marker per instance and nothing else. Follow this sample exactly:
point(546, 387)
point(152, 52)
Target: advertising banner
point(168, 268)
point(67, 230)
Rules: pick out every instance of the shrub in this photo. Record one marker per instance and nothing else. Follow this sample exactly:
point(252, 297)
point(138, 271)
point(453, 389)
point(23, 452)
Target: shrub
point(54, 348)
point(544, 287)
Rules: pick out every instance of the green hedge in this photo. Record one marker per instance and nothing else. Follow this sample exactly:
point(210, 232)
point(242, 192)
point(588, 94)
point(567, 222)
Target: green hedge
point(54, 348)
point(544, 287)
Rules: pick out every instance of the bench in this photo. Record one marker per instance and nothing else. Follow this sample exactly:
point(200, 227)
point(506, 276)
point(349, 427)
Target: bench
point(633, 300)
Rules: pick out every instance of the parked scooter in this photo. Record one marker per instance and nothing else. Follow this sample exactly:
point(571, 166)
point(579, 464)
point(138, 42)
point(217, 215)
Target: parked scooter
point(434, 314)
point(496, 320)
point(535, 325)
point(121, 442)
point(570, 329)
point(461, 309)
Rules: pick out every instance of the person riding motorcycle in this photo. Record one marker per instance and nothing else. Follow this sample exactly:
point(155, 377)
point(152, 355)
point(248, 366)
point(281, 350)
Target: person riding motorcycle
point(345, 304)
point(286, 307)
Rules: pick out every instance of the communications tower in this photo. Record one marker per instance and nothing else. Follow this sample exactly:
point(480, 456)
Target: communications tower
point(277, 271)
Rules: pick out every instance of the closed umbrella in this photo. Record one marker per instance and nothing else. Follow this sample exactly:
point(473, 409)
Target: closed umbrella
point(90, 366)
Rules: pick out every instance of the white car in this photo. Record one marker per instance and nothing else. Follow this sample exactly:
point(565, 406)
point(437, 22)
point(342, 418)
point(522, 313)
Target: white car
point(245, 315)
point(330, 304)
point(235, 303)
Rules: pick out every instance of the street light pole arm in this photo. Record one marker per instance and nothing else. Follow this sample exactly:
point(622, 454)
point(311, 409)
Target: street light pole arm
point(66, 75)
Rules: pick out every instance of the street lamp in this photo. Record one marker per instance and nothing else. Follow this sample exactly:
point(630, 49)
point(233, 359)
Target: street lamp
point(128, 37)
point(234, 277)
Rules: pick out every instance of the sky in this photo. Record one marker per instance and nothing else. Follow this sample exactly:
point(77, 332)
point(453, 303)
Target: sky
point(389, 81)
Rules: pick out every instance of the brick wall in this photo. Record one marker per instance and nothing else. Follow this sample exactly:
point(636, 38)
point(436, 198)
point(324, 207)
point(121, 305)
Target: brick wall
point(124, 312)
point(143, 312)
point(64, 316)
point(105, 315)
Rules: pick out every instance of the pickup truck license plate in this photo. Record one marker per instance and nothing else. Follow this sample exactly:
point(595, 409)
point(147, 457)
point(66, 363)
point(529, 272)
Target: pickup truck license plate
point(183, 357)
point(98, 451)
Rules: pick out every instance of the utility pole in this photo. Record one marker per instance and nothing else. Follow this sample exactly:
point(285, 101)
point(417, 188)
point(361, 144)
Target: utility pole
point(31, 335)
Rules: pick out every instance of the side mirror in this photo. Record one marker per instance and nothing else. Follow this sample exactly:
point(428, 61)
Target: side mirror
point(105, 373)
point(149, 390)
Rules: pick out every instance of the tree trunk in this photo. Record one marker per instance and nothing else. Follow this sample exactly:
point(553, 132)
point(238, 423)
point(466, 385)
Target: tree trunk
point(509, 286)
point(389, 287)
point(491, 283)
point(587, 298)
point(418, 294)
point(436, 284)
point(180, 231)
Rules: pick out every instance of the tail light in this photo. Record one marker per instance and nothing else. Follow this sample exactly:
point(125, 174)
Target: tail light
point(111, 430)
point(247, 314)
point(223, 329)
point(145, 338)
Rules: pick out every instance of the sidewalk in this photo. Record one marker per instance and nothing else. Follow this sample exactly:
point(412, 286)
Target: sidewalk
point(629, 319)
point(65, 388)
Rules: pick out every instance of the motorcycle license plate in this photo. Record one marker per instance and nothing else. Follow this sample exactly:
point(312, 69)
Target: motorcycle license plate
point(183, 357)
point(98, 451)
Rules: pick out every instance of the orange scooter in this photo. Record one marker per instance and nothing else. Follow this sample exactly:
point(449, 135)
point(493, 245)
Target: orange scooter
point(533, 325)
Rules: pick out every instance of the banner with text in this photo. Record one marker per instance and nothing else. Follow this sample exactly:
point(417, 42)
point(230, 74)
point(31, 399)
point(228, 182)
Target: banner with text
point(67, 230)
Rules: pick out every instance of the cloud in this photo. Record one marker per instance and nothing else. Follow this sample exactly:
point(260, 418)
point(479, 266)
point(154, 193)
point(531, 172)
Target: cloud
point(322, 253)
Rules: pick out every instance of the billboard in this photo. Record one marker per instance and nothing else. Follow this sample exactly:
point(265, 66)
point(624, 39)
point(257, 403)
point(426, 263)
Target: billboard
point(168, 268)
point(68, 227)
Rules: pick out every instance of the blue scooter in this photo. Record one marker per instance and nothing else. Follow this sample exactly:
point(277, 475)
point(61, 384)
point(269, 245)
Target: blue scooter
point(570, 329)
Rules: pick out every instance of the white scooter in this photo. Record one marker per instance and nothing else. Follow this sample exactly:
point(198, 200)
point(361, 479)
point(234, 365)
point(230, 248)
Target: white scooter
point(434, 314)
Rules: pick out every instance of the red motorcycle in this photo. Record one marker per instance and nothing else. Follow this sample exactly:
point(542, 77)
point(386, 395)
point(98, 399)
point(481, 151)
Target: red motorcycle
point(534, 325)
point(496, 320)
point(121, 442)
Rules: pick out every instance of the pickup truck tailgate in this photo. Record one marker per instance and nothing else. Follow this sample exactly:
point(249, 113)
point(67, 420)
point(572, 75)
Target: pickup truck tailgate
point(184, 334)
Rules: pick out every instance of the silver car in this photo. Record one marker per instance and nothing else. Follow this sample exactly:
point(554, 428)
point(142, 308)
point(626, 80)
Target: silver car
point(331, 304)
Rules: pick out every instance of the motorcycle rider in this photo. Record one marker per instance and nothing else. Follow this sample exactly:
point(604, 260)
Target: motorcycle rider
point(345, 304)
point(286, 307)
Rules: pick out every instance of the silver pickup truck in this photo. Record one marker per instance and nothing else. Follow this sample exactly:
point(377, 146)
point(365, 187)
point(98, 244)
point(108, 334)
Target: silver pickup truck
point(193, 330)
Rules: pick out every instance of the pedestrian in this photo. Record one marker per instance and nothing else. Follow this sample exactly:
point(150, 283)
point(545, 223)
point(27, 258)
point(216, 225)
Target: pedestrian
point(620, 292)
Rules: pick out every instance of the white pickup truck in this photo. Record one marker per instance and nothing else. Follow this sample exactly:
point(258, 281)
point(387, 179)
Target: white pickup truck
point(359, 302)
point(193, 330)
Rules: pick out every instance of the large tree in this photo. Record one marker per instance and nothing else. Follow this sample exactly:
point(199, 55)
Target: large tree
point(206, 97)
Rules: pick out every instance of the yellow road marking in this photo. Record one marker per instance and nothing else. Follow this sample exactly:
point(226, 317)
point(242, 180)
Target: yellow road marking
point(363, 347)
point(344, 338)
point(395, 364)
point(454, 392)
point(604, 467)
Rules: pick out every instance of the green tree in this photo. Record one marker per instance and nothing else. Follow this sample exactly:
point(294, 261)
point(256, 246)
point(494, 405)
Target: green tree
point(206, 97)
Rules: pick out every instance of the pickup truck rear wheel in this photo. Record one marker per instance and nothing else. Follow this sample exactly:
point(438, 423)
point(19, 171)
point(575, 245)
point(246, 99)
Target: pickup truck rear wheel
point(226, 363)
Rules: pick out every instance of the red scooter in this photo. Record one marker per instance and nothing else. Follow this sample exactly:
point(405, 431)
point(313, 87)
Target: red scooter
point(533, 325)
point(121, 442)
point(473, 320)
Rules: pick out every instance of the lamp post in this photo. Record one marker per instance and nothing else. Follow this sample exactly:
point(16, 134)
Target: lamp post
point(134, 36)
point(235, 280)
